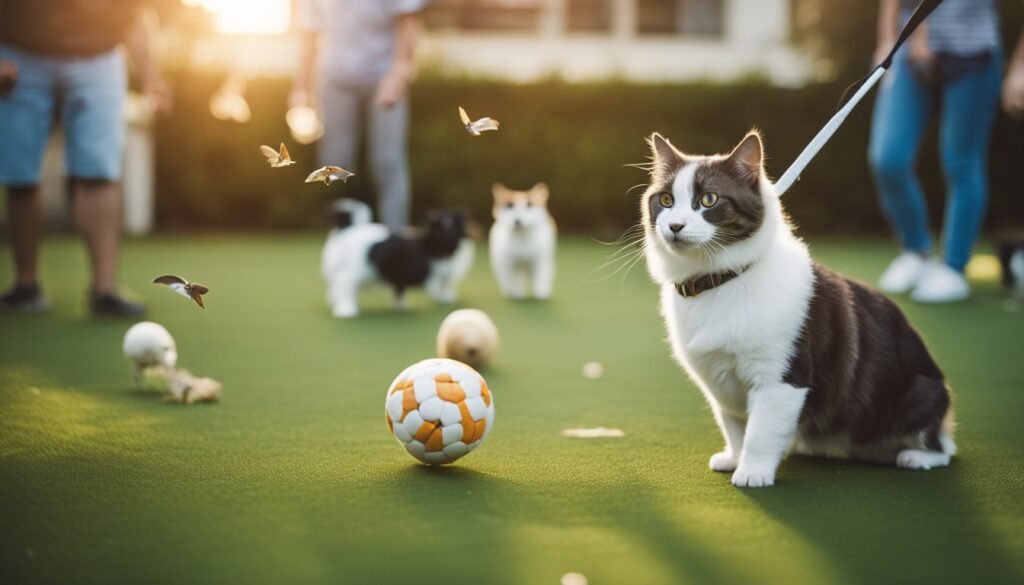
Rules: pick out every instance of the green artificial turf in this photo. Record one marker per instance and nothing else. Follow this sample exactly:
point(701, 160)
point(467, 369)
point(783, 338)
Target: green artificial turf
point(294, 478)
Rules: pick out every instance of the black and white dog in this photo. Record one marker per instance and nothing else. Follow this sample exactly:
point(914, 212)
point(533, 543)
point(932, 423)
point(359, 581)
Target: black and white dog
point(359, 252)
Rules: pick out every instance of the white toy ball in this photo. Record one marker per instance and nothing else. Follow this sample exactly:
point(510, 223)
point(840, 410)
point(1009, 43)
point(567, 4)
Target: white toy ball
point(469, 336)
point(149, 344)
point(439, 410)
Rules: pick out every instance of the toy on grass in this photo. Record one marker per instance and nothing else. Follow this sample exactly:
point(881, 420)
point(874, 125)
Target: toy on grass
point(153, 352)
point(439, 410)
point(469, 336)
point(186, 388)
point(155, 357)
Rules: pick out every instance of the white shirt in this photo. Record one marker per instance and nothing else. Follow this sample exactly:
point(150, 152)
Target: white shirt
point(358, 36)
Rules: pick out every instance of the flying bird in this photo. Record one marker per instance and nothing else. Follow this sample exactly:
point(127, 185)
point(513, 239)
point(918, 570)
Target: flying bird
point(277, 158)
point(481, 125)
point(329, 174)
point(189, 290)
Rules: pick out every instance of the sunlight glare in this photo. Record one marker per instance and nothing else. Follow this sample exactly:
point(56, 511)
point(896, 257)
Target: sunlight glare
point(250, 16)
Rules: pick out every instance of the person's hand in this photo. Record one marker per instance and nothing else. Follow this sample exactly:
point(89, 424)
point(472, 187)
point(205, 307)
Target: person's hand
point(158, 93)
point(392, 88)
point(8, 76)
point(1013, 91)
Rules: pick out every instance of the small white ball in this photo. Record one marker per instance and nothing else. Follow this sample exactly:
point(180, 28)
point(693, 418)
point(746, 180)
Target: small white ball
point(469, 336)
point(149, 344)
point(593, 370)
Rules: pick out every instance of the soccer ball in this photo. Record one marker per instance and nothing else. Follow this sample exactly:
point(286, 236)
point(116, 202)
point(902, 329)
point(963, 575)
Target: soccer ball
point(439, 410)
point(468, 335)
point(149, 344)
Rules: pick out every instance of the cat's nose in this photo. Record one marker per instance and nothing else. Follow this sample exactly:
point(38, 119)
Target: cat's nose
point(676, 227)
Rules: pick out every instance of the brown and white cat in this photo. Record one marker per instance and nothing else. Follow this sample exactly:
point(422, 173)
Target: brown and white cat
point(788, 354)
point(522, 242)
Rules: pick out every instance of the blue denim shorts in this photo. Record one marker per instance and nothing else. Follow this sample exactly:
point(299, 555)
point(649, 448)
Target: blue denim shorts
point(84, 95)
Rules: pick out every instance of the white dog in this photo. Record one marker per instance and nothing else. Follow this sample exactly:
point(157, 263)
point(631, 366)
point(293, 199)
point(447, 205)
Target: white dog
point(358, 252)
point(522, 241)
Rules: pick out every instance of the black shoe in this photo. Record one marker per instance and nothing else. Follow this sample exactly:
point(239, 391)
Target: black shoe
point(114, 305)
point(24, 299)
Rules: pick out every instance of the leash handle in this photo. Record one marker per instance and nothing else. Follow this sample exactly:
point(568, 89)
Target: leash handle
point(792, 174)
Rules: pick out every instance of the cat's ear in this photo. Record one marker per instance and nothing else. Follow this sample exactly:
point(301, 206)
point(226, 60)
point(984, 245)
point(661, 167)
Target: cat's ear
point(664, 156)
point(746, 159)
point(539, 193)
point(500, 191)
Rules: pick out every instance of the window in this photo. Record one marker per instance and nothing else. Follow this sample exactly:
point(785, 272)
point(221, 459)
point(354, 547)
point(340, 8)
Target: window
point(589, 15)
point(688, 17)
point(484, 15)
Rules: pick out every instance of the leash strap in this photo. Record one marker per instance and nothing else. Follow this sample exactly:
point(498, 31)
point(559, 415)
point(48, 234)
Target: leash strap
point(792, 174)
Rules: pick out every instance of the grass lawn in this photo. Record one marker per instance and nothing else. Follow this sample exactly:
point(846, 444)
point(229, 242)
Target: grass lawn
point(294, 478)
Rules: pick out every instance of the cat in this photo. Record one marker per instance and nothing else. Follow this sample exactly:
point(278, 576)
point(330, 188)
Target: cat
point(522, 242)
point(358, 252)
point(788, 354)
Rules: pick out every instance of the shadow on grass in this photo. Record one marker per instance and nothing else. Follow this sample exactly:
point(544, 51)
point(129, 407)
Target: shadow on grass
point(504, 508)
point(882, 524)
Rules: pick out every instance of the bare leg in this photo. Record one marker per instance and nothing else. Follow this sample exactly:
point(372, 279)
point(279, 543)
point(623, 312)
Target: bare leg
point(25, 220)
point(97, 213)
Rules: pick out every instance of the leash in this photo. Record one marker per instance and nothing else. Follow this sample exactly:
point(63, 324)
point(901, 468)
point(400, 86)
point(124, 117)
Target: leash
point(792, 174)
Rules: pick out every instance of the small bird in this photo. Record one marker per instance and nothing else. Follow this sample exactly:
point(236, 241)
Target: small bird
point(481, 125)
point(189, 290)
point(277, 158)
point(329, 174)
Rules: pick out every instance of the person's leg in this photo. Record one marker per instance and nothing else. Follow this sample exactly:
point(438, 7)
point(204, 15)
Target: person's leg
point(343, 120)
point(388, 156)
point(901, 115)
point(26, 116)
point(25, 222)
point(92, 115)
point(93, 122)
point(97, 214)
point(969, 107)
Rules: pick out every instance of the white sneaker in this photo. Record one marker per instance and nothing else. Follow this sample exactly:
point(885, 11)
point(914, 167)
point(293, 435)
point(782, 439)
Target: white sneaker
point(903, 273)
point(941, 284)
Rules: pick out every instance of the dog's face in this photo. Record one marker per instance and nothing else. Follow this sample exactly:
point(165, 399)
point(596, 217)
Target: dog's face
point(521, 210)
point(444, 230)
point(346, 213)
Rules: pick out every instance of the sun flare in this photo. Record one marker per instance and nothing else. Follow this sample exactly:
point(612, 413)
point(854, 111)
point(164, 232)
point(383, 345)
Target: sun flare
point(249, 17)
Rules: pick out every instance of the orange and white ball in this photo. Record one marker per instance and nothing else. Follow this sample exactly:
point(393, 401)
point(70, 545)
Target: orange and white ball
point(439, 410)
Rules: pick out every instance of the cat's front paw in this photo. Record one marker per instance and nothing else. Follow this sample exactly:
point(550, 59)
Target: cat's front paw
point(753, 477)
point(343, 311)
point(722, 461)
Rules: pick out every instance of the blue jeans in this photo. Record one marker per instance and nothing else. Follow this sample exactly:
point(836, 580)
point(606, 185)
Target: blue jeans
point(967, 109)
point(86, 95)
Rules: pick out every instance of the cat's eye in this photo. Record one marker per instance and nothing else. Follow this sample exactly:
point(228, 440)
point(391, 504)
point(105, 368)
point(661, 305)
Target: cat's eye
point(709, 199)
point(509, 205)
point(529, 204)
point(666, 200)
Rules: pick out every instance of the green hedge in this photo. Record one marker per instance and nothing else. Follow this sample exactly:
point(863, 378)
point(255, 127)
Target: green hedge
point(576, 137)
